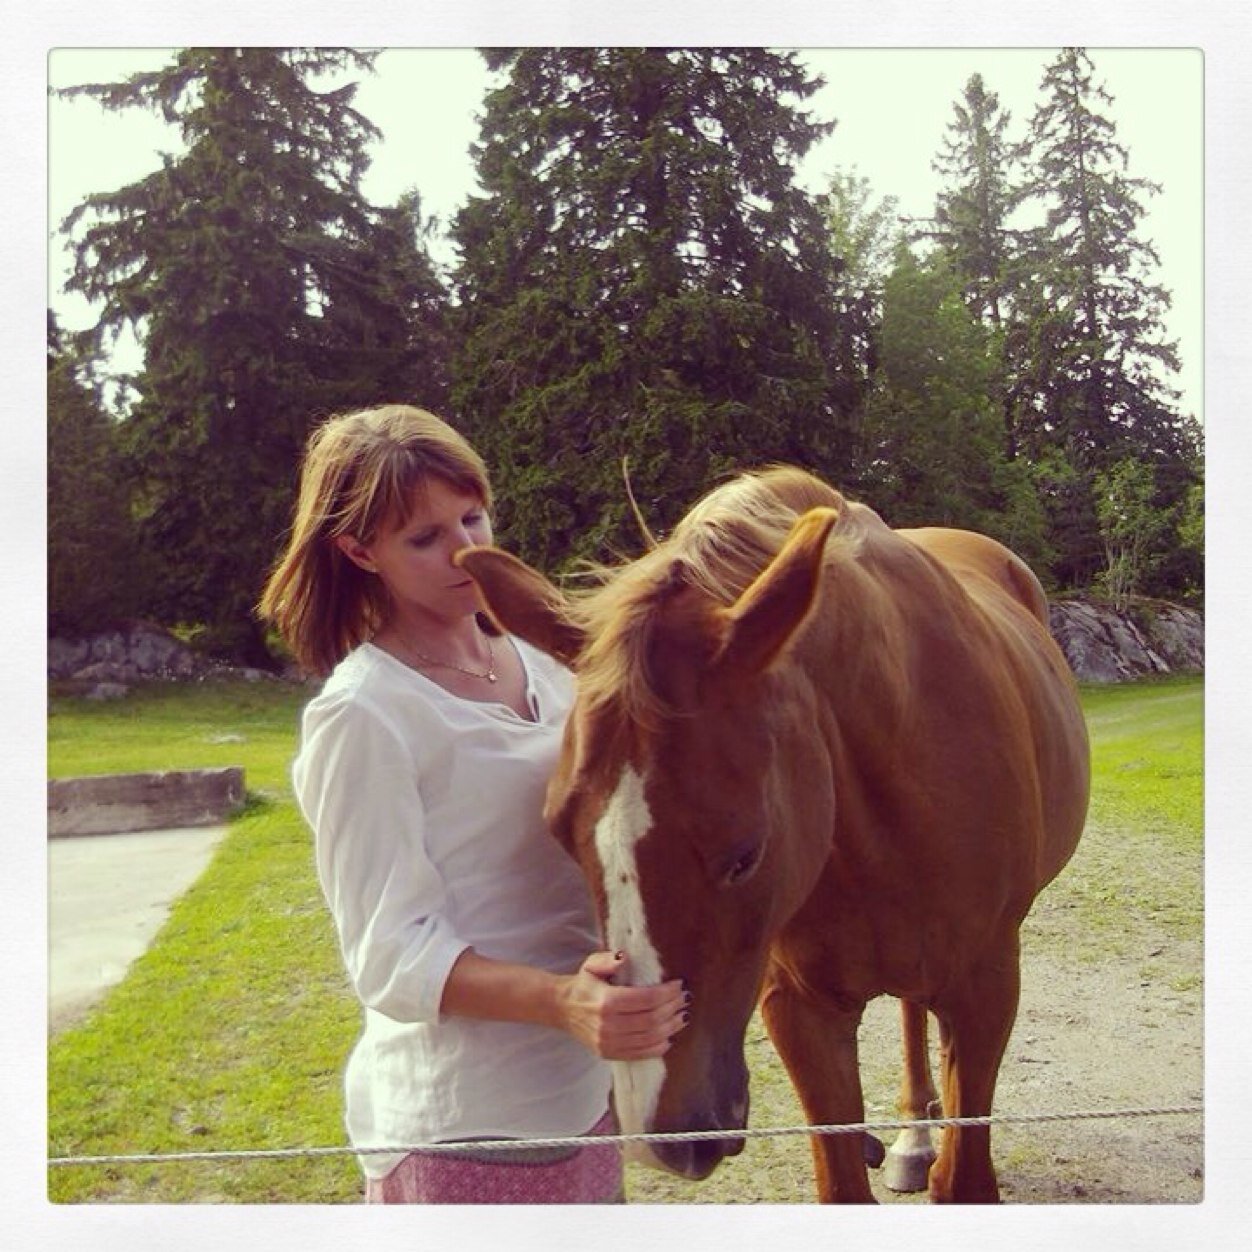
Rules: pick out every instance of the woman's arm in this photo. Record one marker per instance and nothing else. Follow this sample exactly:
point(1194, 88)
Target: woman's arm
point(616, 1023)
point(354, 780)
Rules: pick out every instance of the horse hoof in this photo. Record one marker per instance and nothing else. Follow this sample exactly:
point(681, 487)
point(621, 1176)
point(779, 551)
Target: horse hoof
point(908, 1162)
point(872, 1147)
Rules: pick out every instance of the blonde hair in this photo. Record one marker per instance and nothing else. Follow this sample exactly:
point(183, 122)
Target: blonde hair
point(719, 548)
point(358, 477)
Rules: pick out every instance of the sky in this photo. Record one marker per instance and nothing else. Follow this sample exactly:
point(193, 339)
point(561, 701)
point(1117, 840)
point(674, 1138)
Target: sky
point(892, 108)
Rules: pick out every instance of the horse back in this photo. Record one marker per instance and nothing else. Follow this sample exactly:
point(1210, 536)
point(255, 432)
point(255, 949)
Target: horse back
point(980, 562)
point(962, 757)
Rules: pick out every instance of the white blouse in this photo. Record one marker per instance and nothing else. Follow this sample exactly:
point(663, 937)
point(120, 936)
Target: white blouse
point(427, 816)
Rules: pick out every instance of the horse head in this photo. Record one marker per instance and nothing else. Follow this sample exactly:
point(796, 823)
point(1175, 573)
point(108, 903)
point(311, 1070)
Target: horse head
point(683, 787)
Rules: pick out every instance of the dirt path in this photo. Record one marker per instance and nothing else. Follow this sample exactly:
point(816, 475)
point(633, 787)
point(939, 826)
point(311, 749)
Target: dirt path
point(1111, 1017)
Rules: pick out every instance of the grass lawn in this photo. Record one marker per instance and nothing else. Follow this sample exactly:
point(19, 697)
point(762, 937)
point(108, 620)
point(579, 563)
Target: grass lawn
point(1147, 804)
point(232, 1030)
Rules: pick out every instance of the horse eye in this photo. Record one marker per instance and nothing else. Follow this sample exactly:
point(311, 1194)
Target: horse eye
point(742, 866)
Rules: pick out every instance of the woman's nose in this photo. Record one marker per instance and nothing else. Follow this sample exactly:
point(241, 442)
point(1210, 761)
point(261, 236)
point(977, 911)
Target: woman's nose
point(459, 540)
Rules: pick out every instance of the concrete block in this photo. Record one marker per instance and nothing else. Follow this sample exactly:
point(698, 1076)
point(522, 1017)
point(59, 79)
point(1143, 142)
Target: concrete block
point(113, 803)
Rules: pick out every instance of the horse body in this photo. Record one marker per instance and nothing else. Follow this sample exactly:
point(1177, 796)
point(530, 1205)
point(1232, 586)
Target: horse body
point(813, 760)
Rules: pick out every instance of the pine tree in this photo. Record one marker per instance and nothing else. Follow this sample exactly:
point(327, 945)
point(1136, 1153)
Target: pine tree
point(936, 457)
point(972, 212)
point(1095, 360)
point(247, 265)
point(865, 236)
point(1100, 358)
point(972, 226)
point(91, 539)
point(641, 278)
point(384, 334)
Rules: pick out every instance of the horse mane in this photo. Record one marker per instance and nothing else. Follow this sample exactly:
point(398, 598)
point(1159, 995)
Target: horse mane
point(718, 549)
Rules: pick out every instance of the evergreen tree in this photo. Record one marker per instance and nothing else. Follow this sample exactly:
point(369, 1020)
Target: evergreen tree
point(247, 264)
point(1100, 359)
point(641, 278)
point(935, 453)
point(972, 211)
point(864, 238)
point(972, 226)
point(91, 541)
point(1095, 360)
point(384, 334)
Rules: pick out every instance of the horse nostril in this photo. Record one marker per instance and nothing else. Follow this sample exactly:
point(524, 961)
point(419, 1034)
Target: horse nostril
point(697, 1159)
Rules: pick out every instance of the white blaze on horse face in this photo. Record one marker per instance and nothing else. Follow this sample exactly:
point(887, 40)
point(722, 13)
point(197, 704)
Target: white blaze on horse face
point(625, 821)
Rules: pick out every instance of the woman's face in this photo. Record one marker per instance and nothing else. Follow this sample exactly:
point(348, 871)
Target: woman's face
point(414, 559)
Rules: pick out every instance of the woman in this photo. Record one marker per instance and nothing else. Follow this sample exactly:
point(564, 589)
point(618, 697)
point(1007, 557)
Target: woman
point(467, 932)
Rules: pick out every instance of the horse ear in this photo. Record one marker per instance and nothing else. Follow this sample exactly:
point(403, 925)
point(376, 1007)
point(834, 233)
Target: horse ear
point(523, 602)
point(778, 602)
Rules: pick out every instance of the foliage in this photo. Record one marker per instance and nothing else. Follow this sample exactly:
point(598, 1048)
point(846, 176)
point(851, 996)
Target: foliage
point(1090, 263)
point(91, 536)
point(266, 293)
point(864, 236)
point(972, 211)
point(1094, 359)
point(641, 278)
point(934, 438)
point(1130, 525)
point(1082, 382)
point(1191, 522)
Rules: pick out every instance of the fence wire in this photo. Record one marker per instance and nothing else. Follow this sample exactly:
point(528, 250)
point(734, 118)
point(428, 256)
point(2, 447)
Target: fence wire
point(686, 1136)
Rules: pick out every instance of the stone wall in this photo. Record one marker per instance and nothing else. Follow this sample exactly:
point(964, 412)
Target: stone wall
point(166, 800)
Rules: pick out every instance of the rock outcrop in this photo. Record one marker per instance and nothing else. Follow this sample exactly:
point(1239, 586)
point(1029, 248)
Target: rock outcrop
point(1105, 645)
point(102, 665)
point(1102, 645)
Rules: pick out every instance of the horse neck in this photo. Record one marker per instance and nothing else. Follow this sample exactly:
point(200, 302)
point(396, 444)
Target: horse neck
point(856, 649)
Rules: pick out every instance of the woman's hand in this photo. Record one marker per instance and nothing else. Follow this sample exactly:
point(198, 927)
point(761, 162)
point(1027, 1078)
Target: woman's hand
point(620, 1023)
point(616, 1023)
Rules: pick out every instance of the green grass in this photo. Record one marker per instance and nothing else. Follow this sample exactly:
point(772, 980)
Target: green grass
point(1147, 813)
point(232, 1030)
point(174, 726)
point(1148, 757)
point(230, 1033)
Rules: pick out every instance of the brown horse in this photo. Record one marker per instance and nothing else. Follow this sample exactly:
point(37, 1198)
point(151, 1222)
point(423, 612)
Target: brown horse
point(812, 760)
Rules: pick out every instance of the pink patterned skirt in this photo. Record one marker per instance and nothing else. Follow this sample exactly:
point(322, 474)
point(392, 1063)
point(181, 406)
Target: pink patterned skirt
point(590, 1175)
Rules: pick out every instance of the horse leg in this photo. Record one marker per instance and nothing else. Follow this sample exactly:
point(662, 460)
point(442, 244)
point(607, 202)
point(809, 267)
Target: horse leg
point(910, 1157)
point(817, 1043)
point(977, 1018)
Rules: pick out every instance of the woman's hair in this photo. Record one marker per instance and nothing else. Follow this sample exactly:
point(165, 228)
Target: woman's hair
point(357, 478)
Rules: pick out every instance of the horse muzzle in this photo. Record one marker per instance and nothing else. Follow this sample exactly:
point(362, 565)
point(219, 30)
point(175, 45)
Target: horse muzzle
point(700, 1086)
point(696, 1159)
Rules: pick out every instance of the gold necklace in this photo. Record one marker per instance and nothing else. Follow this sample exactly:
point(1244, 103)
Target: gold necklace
point(491, 676)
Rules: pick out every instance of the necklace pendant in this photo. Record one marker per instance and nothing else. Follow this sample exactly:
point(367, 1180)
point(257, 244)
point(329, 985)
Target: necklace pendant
point(491, 678)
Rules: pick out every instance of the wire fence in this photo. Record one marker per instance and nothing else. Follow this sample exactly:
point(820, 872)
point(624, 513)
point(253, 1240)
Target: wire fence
point(688, 1136)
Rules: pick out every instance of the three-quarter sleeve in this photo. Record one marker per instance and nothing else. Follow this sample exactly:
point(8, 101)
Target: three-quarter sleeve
point(355, 780)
